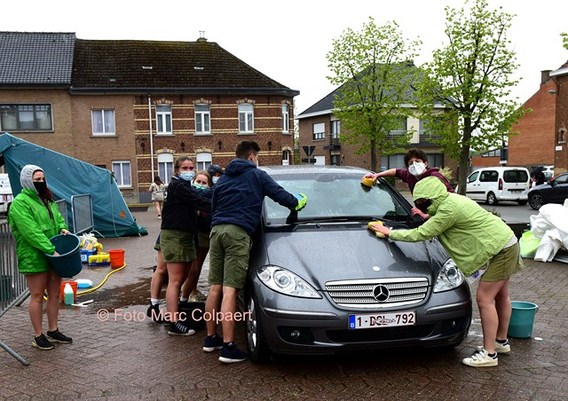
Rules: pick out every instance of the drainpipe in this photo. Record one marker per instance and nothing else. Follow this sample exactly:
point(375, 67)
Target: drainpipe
point(151, 137)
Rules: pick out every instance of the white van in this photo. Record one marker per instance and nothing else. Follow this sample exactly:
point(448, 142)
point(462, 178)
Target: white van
point(5, 192)
point(495, 184)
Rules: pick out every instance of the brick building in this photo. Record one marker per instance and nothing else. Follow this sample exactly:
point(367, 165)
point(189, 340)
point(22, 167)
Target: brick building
point(133, 107)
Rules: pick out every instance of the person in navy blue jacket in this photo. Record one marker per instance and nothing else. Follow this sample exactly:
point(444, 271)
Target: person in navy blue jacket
point(236, 210)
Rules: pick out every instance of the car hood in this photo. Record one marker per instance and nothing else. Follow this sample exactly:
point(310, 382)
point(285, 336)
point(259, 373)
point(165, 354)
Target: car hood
point(321, 254)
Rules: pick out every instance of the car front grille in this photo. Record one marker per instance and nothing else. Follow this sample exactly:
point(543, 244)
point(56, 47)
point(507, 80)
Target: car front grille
point(377, 293)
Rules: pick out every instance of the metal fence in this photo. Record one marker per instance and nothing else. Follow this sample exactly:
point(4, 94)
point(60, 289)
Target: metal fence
point(13, 287)
point(82, 213)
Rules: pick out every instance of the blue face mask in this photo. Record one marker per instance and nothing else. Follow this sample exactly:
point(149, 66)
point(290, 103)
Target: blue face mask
point(187, 175)
point(199, 186)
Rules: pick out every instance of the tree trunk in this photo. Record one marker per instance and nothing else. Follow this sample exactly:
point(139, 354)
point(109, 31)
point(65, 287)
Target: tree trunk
point(373, 155)
point(464, 158)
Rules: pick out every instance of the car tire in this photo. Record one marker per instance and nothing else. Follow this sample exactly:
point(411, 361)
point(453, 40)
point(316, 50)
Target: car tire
point(257, 348)
point(522, 203)
point(535, 200)
point(491, 199)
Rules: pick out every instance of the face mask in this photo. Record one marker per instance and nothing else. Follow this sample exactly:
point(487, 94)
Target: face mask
point(417, 168)
point(215, 179)
point(40, 187)
point(187, 175)
point(199, 186)
point(423, 206)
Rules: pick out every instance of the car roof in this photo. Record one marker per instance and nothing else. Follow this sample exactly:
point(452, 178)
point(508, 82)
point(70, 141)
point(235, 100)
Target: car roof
point(313, 169)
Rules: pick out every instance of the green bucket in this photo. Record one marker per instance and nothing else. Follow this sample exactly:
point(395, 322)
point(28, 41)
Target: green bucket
point(522, 319)
point(68, 262)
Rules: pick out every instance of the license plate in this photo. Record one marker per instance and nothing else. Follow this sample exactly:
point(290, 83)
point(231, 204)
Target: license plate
point(372, 321)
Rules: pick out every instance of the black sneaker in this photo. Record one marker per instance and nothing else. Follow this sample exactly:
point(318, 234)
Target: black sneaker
point(212, 343)
point(155, 314)
point(58, 337)
point(231, 354)
point(42, 342)
point(180, 329)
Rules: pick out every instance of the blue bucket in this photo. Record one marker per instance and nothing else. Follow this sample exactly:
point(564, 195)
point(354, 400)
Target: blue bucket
point(522, 319)
point(68, 262)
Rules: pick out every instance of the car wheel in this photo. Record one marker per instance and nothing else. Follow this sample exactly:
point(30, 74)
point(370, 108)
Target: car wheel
point(492, 199)
point(256, 343)
point(522, 203)
point(535, 200)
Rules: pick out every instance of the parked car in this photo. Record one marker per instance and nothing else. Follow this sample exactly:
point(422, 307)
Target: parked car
point(320, 282)
point(496, 184)
point(553, 191)
point(5, 192)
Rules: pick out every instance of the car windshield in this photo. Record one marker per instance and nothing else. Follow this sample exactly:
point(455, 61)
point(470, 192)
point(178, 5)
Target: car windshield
point(333, 196)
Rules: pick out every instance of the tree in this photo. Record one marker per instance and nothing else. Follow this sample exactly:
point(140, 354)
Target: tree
point(564, 36)
point(374, 73)
point(471, 78)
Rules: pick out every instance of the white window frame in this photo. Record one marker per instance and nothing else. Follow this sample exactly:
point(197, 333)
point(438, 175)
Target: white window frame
point(286, 155)
point(103, 122)
point(203, 160)
point(18, 117)
point(164, 119)
point(318, 131)
point(335, 128)
point(246, 118)
point(123, 178)
point(202, 119)
point(165, 167)
point(285, 118)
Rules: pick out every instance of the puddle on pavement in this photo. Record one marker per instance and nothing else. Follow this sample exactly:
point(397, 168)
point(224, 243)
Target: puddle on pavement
point(119, 297)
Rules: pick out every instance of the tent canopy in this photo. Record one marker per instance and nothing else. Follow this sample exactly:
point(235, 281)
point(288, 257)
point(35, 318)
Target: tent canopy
point(66, 177)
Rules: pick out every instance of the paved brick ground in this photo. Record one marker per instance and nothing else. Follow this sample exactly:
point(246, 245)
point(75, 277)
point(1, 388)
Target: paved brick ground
point(129, 358)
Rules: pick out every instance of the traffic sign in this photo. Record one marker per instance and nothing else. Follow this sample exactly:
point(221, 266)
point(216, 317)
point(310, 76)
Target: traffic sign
point(309, 149)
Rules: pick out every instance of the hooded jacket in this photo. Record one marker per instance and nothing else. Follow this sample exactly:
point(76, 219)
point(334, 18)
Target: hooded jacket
point(181, 205)
point(32, 225)
point(468, 232)
point(238, 195)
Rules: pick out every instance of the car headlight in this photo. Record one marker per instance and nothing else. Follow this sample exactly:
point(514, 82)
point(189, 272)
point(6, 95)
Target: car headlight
point(449, 277)
point(286, 282)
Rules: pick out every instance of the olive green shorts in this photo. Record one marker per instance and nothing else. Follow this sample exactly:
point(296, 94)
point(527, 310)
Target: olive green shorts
point(229, 248)
point(504, 264)
point(177, 246)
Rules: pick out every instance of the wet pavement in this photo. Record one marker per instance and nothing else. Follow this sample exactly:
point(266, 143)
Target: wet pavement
point(117, 354)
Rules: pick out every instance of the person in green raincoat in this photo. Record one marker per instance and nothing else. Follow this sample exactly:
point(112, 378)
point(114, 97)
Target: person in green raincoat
point(34, 218)
point(482, 246)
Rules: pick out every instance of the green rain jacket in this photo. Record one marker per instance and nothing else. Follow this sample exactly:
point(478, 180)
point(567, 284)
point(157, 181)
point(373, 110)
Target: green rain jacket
point(32, 228)
point(468, 232)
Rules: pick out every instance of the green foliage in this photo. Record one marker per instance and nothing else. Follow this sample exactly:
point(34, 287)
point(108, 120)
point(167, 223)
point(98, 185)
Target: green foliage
point(447, 172)
point(471, 79)
point(564, 36)
point(374, 73)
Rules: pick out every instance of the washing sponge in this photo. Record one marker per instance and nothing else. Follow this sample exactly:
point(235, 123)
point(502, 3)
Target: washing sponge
point(367, 181)
point(376, 223)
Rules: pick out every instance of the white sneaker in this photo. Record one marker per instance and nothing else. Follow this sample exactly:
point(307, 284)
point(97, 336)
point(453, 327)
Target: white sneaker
point(500, 348)
point(481, 360)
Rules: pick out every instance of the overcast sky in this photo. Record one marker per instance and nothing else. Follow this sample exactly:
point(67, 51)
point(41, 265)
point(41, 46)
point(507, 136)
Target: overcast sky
point(288, 40)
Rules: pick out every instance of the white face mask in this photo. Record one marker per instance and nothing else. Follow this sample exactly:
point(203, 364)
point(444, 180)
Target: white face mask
point(417, 168)
point(215, 179)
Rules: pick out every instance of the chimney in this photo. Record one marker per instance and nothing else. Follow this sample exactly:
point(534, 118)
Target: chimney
point(544, 76)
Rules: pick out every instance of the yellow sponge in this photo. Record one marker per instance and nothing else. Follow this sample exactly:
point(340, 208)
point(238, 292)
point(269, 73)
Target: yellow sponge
point(368, 181)
point(376, 223)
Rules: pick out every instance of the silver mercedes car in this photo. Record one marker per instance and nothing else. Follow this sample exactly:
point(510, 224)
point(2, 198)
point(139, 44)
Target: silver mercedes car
point(320, 282)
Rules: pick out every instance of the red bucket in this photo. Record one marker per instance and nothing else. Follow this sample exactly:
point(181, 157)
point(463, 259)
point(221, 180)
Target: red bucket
point(116, 258)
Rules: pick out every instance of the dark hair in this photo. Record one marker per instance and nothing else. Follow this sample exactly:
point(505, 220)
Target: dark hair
point(214, 169)
point(179, 161)
point(245, 148)
point(158, 180)
point(416, 154)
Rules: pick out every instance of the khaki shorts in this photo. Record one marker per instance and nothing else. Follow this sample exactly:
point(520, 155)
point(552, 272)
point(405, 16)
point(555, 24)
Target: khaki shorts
point(504, 264)
point(177, 246)
point(229, 248)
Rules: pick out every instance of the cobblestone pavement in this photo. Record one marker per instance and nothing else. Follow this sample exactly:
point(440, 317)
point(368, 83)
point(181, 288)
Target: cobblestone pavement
point(126, 357)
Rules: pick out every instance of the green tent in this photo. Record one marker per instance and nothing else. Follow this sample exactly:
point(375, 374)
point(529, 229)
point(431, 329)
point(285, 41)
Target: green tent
point(67, 177)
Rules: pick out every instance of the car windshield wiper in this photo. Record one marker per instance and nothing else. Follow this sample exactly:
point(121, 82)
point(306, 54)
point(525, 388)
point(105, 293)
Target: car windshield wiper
point(323, 219)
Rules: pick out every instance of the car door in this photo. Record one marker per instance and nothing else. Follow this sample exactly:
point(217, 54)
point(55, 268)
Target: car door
point(559, 190)
point(473, 187)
